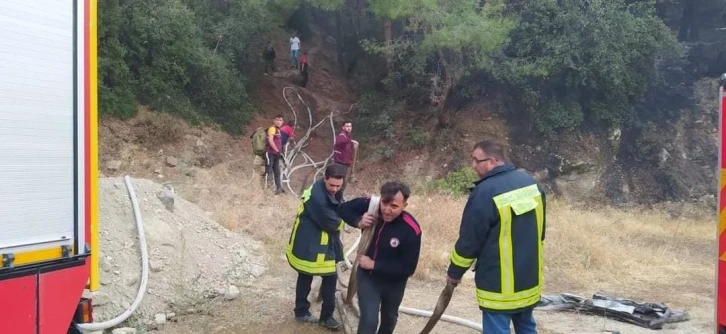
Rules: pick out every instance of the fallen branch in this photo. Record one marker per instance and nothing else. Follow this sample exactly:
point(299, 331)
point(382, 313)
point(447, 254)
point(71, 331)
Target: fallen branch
point(289, 156)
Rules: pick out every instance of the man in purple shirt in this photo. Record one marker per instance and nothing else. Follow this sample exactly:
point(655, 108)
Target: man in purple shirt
point(343, 151)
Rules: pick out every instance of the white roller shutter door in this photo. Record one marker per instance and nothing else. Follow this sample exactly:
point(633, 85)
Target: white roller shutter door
point(36, 124)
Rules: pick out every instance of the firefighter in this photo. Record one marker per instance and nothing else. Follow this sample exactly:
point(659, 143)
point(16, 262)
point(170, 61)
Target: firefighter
point(502, 229)
point(315, 247)
point(391, 259)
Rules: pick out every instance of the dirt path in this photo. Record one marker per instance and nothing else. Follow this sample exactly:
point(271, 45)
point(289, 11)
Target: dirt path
point(266, 307)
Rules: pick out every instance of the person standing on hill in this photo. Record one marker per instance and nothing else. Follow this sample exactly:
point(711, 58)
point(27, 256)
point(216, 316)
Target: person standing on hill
point(269, 57)
point(502, 229)
point(273, 154)
point(314, 247)
point(343, 150)
point(304, 68)
point(391, 258)
point(294, 48)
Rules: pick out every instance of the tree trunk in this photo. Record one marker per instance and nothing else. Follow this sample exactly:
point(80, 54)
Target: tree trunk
point(388, 39)
point(445, 91)
point(339, 42)
point(686, 24)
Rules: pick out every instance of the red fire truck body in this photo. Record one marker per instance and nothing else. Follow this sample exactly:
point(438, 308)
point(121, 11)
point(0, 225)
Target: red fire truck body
point(48, 164)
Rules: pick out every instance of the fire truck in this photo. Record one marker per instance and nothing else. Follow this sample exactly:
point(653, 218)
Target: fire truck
point(721, 262)
point(48, 165)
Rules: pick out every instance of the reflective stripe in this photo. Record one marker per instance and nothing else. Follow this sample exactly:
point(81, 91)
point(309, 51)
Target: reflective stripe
point(341, 225)
point(497, 301)
point(459, 260)
point(305, 197)
point(320, 266)
point(539, 214)
point(505, 251)
point(521, 200)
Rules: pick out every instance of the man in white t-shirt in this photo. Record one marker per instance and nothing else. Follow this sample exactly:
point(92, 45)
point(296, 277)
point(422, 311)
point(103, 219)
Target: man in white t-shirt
point(294, 48)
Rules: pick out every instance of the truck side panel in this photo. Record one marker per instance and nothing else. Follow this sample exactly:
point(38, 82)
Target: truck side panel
point(18, 306)
point(721, 260)
point(59, 292)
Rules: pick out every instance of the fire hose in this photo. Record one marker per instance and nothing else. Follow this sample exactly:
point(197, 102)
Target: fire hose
point(373, 208)
point(444, 298)
point(99, 326)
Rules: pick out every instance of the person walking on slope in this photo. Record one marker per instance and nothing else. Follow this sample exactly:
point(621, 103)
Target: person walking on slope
point(314, 247)
point(269, 56)
point(343, 150)
point(294, 48)
point(391, 258)
point(502, 229)
point(273, 152)
point(304, 68)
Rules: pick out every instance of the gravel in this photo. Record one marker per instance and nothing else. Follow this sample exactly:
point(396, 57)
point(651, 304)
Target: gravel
point(191, 257)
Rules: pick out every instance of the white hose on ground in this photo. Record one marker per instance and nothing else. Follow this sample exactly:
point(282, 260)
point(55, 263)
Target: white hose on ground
point(403, 309)
point(97, 326)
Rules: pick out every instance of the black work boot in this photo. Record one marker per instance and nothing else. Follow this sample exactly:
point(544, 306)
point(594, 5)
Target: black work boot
point(331, 324)
point(308, 318)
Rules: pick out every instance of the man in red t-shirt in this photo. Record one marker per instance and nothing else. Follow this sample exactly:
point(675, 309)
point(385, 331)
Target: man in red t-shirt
point(274, 152)
point(287, 132)
point(343, 150)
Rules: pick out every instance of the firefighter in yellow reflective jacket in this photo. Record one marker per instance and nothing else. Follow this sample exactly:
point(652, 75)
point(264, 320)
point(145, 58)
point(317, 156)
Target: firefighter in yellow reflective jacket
point(315, 247)
point(502, 230)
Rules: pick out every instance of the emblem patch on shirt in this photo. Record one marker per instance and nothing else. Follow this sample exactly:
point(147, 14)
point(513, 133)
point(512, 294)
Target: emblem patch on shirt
point(394, 242)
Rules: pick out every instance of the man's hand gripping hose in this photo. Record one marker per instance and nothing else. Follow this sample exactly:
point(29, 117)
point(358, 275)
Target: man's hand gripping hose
point(361, 244)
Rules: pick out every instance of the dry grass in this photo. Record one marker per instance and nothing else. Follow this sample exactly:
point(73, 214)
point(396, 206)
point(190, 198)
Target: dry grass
point(585, 249)
point(157, 128)
point(645, 255)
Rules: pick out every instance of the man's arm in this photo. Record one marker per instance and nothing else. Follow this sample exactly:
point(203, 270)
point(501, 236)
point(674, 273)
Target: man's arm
point(352, 210)
point(322, 214)
point(340, 141)
point(475, 225)
point(271, 132)
point(409, 259)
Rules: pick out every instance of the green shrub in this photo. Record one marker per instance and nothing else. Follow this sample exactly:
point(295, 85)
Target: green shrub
point(456, 183)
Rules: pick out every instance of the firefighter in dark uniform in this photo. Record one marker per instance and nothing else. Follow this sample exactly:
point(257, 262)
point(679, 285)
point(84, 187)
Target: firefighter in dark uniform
point(314, 247)
point(502, 229)
point(391, 258)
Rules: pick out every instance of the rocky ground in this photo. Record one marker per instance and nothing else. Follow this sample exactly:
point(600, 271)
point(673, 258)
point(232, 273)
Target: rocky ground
point(192, 259)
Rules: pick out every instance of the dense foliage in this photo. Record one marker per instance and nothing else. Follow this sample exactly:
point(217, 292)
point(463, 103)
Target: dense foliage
point(186, 57)
point(561, 64)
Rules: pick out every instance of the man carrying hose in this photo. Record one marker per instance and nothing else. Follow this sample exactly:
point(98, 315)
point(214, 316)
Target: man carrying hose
point(502, 229)
point(391, 258)
point(315, 247)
